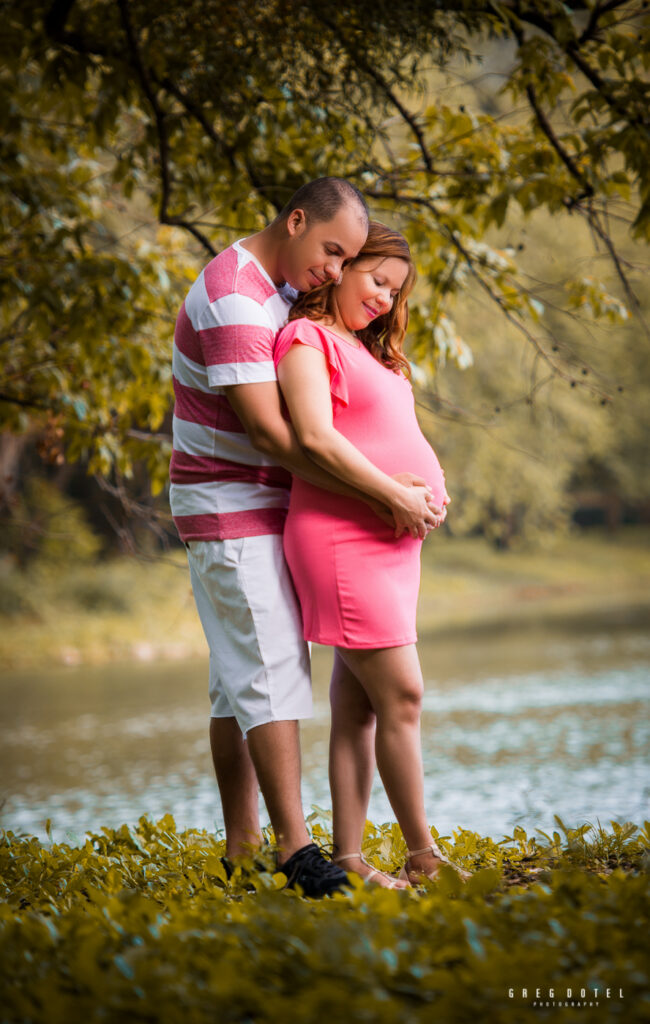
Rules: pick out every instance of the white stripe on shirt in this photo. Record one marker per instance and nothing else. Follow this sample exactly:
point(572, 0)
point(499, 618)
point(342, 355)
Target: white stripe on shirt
point(223, 496)
point(196, 299)
point(189, 373)
point(278, 308)
point(226, 374)
point(198, 439)
point(233, 309)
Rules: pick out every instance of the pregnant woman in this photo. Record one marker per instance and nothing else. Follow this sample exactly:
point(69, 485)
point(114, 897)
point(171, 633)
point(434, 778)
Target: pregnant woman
point(344, 378)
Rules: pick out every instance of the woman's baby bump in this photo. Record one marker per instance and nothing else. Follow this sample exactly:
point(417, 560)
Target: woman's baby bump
point(395, 444)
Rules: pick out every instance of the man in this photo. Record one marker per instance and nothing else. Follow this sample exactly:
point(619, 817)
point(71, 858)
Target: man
point(230, 478)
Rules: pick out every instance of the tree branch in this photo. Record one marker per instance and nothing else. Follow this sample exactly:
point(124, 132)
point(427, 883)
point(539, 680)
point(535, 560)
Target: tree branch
point(534, 16)
point(455, 241)
point(161, 129)
point(24, 403)
point(55, 21)
point(405, 114)
point(592, 27)
point(155, 519)
point(198, 114)
point(55, 27)
point(599, 84)
point(594, 222)
point(142, 435)
point(545, 125)
point(195, 111)
point(379, 80)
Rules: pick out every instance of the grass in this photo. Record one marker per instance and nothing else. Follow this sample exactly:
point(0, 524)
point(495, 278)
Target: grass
point(142, 925)
point(144, 609)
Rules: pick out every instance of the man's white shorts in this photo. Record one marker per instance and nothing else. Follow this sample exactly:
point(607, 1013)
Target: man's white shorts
point(259, 662)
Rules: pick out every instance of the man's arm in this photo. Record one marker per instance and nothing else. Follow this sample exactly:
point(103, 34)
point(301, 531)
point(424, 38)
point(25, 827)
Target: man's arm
point(258, 406)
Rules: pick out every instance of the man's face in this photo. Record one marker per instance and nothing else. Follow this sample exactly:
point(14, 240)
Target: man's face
point(316, 253)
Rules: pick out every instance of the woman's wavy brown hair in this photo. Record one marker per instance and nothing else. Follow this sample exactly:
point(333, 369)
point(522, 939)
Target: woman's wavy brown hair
point(384, 336)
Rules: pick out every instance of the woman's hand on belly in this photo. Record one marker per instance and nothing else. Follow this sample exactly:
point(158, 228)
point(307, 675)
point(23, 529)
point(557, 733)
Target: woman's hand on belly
point(437, 513)
point(408, 480)
point(414, 510)
point(439, 519)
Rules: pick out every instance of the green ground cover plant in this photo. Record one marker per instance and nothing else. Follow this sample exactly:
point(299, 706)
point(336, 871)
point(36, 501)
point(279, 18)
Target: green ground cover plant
point(141, 924)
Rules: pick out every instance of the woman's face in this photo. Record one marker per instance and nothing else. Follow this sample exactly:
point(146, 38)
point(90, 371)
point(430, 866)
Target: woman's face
point(368, 289)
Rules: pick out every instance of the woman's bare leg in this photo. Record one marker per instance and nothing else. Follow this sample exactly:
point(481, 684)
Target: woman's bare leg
point(351, 765)
point(352, 757)
point(392, 680)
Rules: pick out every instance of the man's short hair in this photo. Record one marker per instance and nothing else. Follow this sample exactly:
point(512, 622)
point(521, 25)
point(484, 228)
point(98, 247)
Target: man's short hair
point(322, 198)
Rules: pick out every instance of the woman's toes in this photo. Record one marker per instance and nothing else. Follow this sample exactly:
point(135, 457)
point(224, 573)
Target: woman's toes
point(376, 877)
point(425, 865)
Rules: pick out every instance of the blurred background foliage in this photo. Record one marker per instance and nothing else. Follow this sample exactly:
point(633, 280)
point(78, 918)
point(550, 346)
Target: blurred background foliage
point(508, 141)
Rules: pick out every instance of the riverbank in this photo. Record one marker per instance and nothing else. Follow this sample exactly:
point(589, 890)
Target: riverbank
point(586, 579)
point(129, 609)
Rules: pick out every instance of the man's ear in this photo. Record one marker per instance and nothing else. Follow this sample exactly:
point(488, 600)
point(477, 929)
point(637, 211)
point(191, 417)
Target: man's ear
point(296, 223)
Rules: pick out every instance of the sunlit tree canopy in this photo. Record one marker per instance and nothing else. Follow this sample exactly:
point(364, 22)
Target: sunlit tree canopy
point(137, 139)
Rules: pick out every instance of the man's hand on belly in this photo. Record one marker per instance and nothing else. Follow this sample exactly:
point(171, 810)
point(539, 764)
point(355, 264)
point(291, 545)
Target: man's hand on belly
point(382, 511)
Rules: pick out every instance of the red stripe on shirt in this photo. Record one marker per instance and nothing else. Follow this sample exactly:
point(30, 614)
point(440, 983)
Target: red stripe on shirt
point(210, 410)
point(250, 282)
point(186, 338)
point(240, 343)
point(200, 469)
point(226, 525)
point(231, 273)
point(220, 274)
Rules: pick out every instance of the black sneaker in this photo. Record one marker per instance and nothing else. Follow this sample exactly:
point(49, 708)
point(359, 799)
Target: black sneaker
point(260, 862)
point(228, 867)
point(315, 875)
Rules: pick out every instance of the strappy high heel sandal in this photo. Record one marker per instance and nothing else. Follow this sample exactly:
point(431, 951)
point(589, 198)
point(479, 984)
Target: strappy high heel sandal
point(437, 852)
point(373, 871)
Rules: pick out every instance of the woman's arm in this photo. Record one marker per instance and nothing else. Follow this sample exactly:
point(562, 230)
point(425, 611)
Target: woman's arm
point(258, 408)
point(304, 379)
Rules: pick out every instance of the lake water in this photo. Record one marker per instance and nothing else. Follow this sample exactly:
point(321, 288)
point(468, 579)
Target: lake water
point(516, 728)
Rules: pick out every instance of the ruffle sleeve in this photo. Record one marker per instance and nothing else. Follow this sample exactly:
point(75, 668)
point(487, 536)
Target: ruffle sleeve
point(306, 332)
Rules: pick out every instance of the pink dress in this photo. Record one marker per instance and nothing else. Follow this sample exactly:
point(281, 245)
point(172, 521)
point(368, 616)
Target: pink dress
point(357, 585)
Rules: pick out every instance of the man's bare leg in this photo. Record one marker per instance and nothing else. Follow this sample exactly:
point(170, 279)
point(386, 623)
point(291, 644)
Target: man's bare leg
point(238, 786)
point(275, 752)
